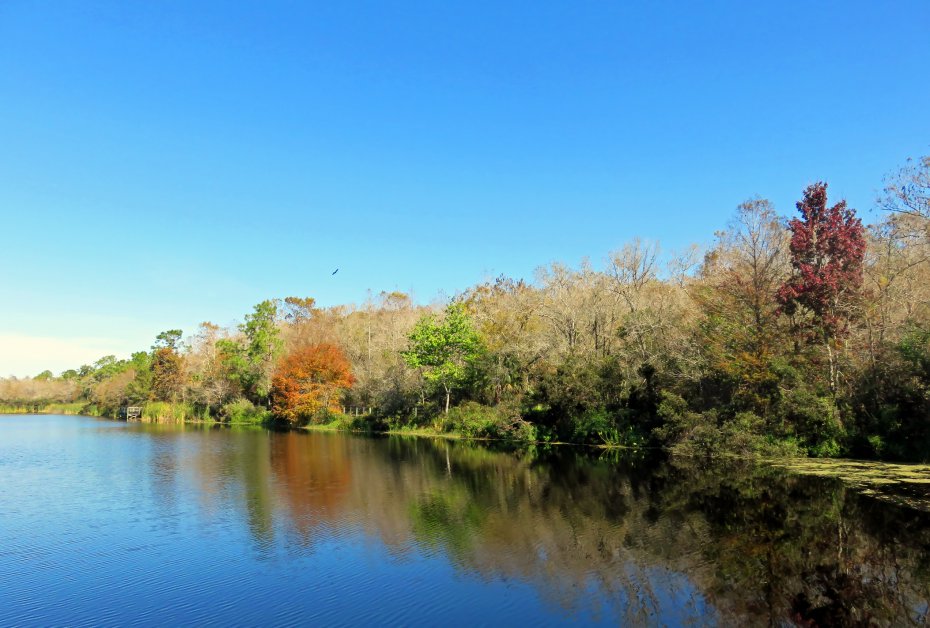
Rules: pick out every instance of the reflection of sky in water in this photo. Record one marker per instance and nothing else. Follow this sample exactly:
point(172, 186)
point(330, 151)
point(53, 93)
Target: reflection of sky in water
point(104, 522)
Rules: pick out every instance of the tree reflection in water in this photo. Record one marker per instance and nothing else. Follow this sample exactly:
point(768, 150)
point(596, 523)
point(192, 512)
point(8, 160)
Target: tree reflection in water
point(640, 538)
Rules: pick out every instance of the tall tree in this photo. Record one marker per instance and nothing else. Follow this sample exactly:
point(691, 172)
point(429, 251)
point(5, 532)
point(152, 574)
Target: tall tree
point(741, 278)
point(310, 380)
point(251, 359)
point(208, 384)
point(444, 348)
point(827, 249)
point(262, 348)
point(506, 317)
point(167, 366)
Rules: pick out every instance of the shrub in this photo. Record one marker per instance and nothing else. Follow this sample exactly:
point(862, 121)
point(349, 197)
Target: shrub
point(590, 426)
point(474, 420)
point(244, 411)
point(691, 433)
point(600, 427)
point(877, 443)
point(348, 422)
point(816, 420)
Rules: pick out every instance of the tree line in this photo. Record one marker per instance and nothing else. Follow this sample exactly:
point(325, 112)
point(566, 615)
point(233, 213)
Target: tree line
point(806, 336)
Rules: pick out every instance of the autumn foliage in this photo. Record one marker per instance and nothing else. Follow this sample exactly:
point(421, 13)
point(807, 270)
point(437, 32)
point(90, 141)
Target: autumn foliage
point(167, 374)
point(310, 380)
point(827, 251)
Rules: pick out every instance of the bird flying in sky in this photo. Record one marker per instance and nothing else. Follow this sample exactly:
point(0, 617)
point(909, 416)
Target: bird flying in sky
point(335, 271)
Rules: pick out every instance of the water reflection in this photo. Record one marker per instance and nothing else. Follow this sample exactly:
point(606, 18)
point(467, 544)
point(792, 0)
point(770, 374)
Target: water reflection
point(634, 540)
point(313, 477)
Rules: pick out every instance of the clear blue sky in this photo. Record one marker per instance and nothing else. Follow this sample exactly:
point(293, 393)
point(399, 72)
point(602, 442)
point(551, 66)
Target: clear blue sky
point(163, 163)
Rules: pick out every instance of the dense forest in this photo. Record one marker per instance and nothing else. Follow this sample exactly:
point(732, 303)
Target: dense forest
point(808, 336)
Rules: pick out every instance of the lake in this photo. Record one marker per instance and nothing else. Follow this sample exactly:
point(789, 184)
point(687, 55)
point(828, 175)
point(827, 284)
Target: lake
point(111, 523)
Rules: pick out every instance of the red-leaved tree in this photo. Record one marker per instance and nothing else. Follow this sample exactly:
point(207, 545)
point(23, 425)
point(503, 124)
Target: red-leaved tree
point(310, 380)
point(827, 250)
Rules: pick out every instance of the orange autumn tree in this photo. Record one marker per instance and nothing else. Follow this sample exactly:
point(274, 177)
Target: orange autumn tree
point(309, 381)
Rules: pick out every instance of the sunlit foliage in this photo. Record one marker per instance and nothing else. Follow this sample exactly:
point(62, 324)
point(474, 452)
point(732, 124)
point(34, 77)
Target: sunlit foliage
point(309, 382)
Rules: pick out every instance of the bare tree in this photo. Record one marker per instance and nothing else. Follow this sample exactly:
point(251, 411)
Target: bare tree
point(908, 190)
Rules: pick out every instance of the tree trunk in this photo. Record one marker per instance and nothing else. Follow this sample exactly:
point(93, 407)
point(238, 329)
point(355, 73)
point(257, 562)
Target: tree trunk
point(448, 394)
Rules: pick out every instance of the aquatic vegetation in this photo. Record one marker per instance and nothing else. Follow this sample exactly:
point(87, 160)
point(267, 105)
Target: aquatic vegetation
point(906, 484)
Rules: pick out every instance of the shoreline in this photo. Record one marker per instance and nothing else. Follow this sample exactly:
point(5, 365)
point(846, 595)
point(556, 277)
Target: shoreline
point(804, 465)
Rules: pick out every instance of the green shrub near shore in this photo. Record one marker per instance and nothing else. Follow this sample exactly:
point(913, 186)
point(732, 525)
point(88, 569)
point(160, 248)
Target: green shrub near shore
point(243, 411)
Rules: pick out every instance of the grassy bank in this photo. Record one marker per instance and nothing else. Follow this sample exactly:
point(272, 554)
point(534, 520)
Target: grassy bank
point(239, 412)
point(76, 407)
point(469, 421)
point(686, 434)
point(346, 423)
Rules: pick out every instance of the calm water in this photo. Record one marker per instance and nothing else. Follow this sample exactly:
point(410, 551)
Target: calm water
point(104, 522)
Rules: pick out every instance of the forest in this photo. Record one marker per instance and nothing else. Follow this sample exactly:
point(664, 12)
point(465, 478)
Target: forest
point(799, 336)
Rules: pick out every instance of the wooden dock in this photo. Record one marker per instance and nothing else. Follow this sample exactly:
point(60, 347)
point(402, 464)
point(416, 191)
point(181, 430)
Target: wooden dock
point(130, 413)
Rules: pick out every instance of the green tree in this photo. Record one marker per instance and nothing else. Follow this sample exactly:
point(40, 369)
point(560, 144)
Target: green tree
point(250, 360)
point(108, 366)
point(264, 345)
point(140, 388)
point(168, 340)
point(444, 348)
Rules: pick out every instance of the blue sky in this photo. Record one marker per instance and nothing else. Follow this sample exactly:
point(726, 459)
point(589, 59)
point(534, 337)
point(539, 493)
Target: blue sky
point(170, 162)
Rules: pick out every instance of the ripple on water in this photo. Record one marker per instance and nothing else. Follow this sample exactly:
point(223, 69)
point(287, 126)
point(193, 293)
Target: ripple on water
point(119, 524)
